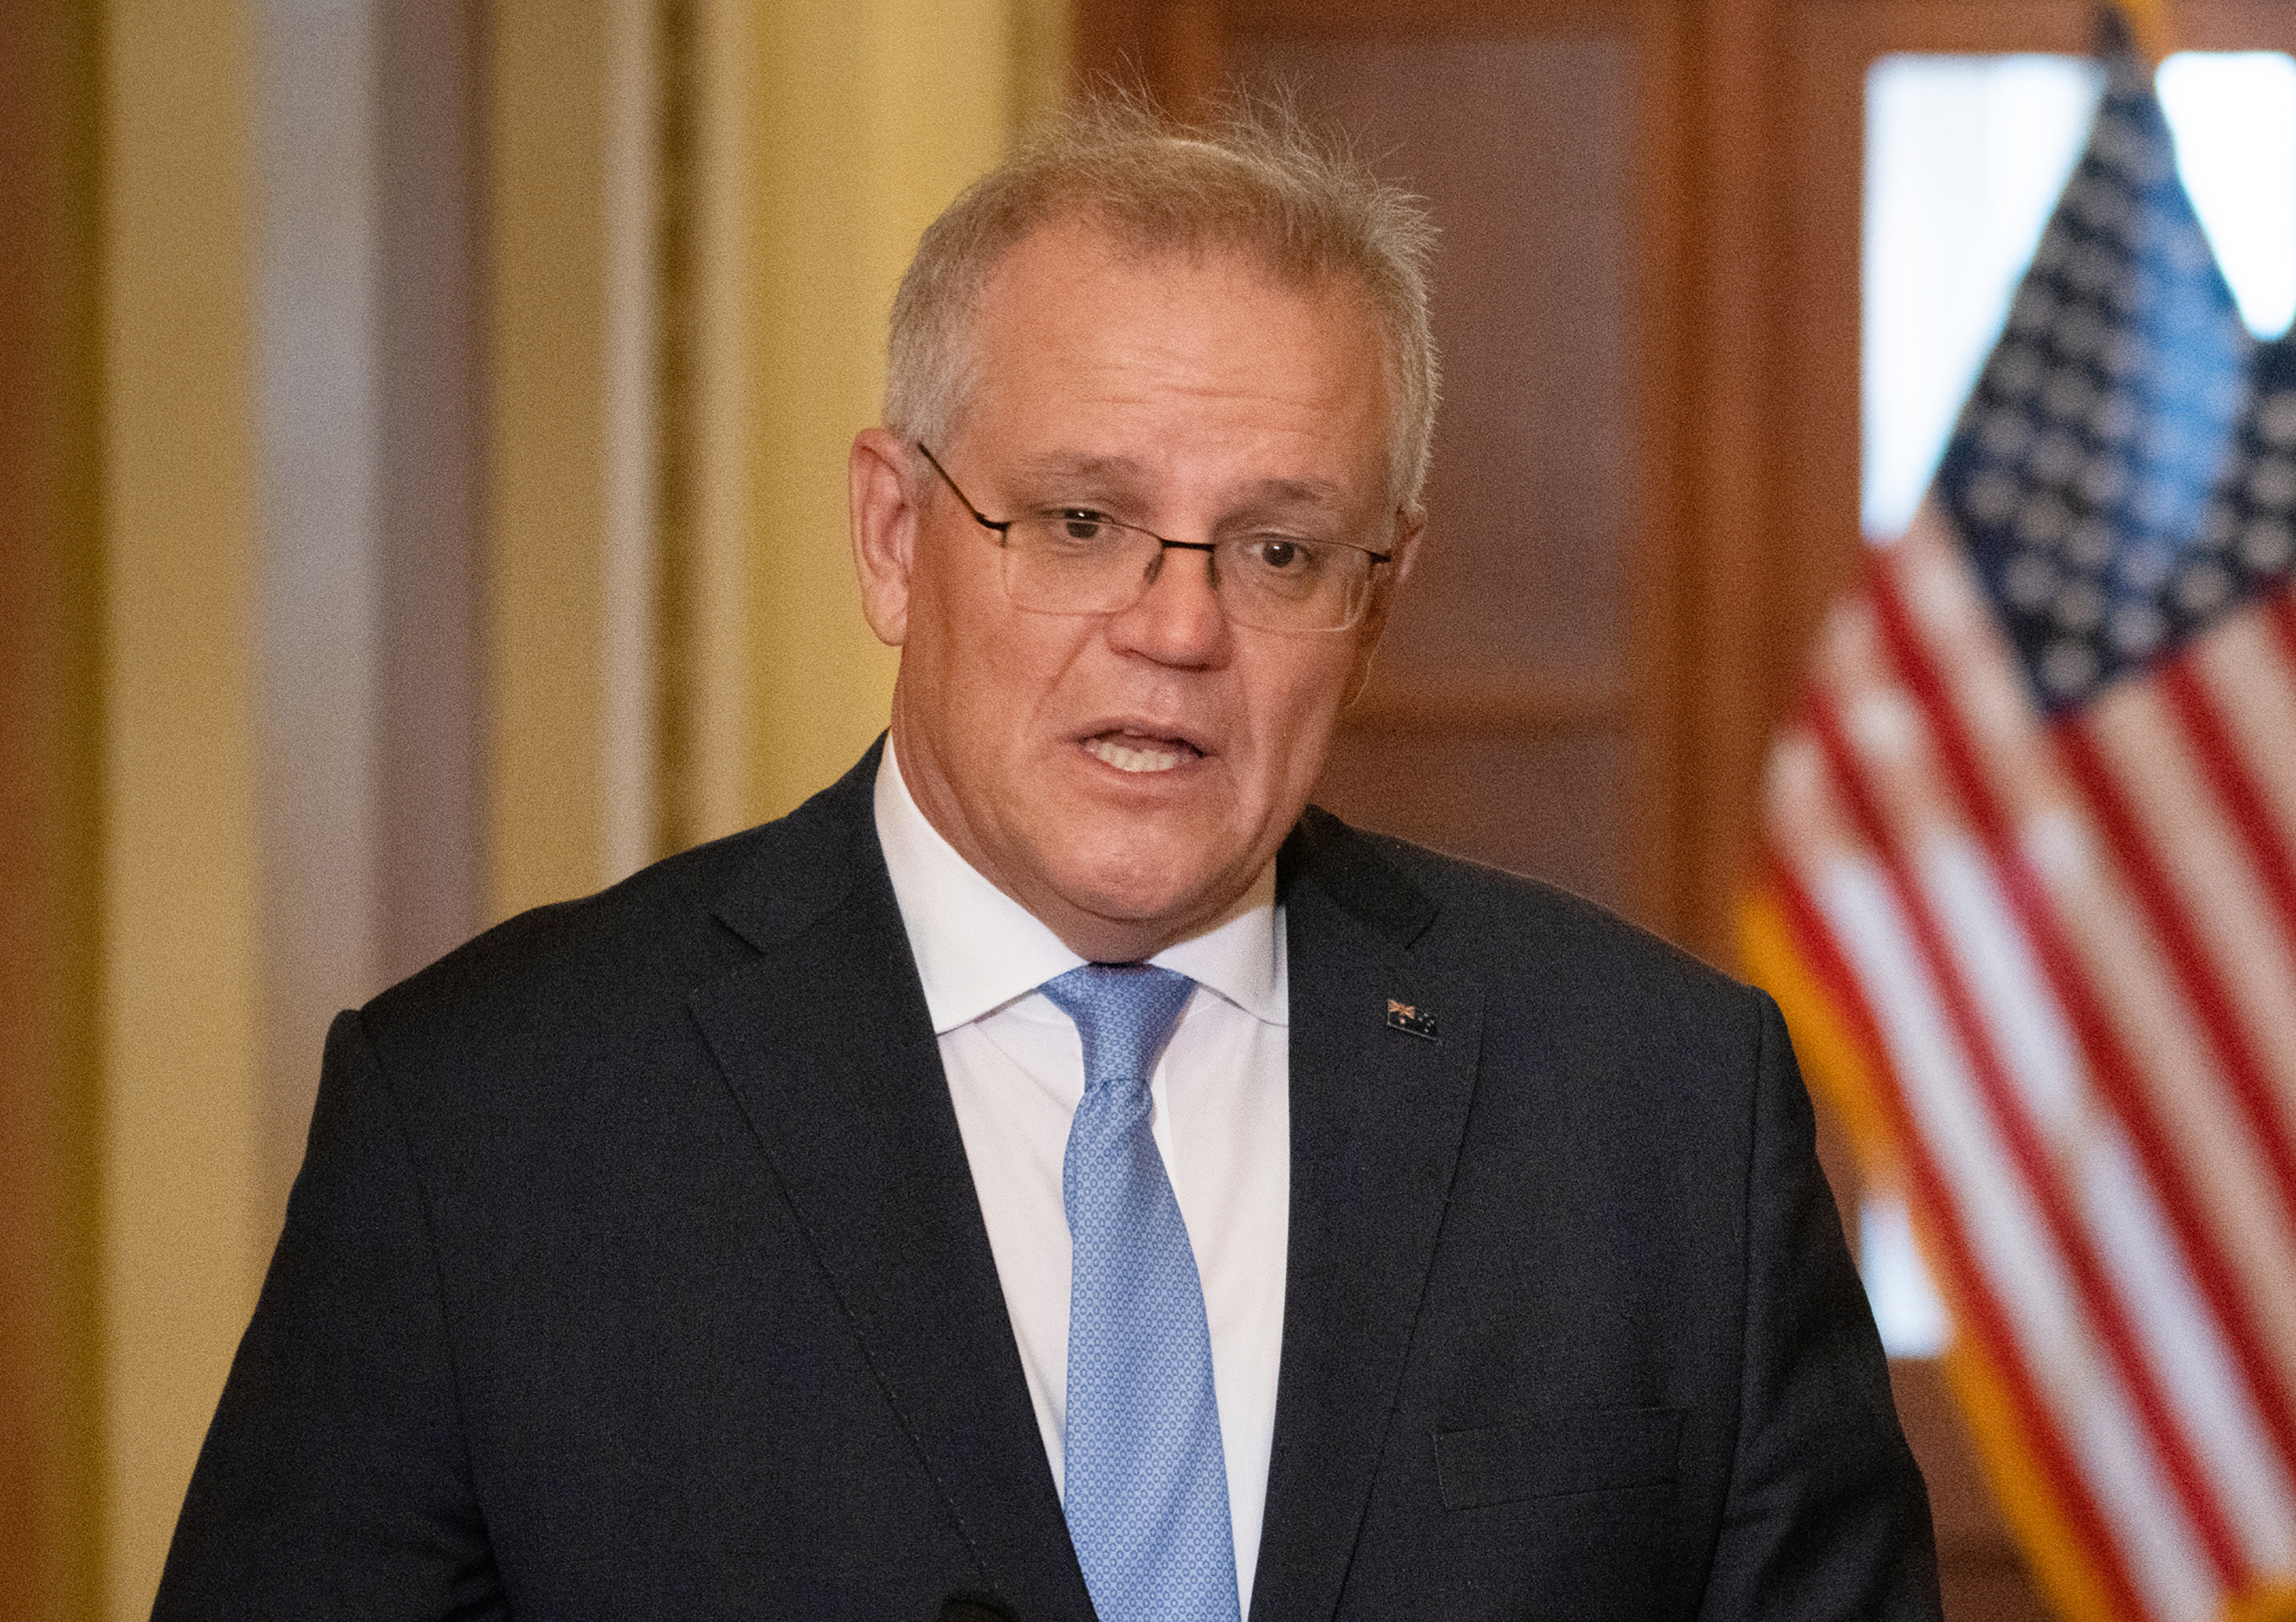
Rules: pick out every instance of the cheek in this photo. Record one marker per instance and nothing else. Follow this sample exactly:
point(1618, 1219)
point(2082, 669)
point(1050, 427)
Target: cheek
point(960, 609)
point(954, 587)
point(1294, 728)
point(1001, 670)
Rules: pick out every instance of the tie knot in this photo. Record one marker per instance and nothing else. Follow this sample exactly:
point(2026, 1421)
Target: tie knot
point(1125, 1013)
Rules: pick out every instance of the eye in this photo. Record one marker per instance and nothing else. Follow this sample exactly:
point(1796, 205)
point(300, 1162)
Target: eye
point(1081, 523)
point(1281, 555)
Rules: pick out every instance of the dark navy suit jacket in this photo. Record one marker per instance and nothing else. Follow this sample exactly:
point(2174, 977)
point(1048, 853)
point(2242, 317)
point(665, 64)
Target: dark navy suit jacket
point(636, 1270)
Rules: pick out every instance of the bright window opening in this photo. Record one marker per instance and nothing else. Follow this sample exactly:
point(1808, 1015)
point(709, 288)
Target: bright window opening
point(1906, 1309)
point(1964, 158)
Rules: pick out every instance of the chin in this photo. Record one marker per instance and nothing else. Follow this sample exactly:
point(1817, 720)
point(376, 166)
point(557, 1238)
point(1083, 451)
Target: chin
point(1128, 900)
point(1137, 887)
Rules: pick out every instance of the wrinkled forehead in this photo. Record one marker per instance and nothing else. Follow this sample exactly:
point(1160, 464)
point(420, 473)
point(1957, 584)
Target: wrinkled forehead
point(1008, 322)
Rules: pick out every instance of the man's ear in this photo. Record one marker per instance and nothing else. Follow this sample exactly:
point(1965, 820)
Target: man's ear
point(883, 521)
point(1409, 526)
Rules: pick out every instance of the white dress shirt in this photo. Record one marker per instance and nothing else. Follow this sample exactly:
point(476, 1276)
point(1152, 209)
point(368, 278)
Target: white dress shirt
point(1222, 1118)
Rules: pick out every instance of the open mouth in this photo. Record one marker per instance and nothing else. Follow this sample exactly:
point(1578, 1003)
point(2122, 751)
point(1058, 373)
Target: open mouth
point(1130, 751)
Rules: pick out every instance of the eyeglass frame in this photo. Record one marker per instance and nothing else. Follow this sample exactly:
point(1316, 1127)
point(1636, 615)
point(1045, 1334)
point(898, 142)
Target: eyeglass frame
point(1001, 528)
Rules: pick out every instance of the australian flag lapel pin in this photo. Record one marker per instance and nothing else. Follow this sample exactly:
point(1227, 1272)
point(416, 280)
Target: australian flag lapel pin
point(1411, 1020)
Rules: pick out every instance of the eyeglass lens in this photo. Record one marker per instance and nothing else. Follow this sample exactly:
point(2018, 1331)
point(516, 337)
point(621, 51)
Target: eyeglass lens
point(1061, 565)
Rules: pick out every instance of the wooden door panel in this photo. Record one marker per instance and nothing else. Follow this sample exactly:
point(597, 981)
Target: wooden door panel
point(1518, 142)
point(1497, 723)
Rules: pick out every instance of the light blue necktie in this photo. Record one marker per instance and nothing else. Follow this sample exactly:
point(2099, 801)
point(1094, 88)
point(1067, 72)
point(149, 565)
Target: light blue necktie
point(1146, 1481)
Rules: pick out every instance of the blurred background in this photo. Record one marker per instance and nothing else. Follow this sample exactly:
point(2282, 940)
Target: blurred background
point(423, 429)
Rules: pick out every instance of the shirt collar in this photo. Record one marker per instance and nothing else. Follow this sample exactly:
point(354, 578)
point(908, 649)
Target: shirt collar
point(978, 949)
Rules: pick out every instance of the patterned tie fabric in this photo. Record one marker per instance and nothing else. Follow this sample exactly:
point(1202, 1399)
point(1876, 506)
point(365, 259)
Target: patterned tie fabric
point(1146, 1486)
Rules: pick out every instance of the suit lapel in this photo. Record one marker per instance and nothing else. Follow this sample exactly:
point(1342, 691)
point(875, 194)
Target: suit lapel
point(1377, 1117)
point(826, 1042)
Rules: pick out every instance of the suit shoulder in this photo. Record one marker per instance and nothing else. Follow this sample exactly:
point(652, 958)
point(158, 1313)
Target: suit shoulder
point(1501, 927)
point(665, 928)
point(652, 928)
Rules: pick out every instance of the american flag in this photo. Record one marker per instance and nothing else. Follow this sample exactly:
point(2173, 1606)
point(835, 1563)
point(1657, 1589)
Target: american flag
point(2030, 898)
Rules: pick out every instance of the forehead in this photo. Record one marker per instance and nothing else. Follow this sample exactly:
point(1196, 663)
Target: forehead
point(1079, 336)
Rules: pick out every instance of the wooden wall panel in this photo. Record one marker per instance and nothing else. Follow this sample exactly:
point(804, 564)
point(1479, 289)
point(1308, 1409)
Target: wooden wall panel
point(1430, 19)
point(1662, 519)
point(1519, 144)
point(1496, 725)
point(2066, 26)
point(1735, 650)
point(49, 776)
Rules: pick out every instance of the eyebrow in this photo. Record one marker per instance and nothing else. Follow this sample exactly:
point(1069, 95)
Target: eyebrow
point(1064, 464)
point(1060, 466)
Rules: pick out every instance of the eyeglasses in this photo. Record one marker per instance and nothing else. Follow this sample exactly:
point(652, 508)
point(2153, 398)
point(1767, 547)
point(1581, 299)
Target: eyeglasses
point(1076, 560)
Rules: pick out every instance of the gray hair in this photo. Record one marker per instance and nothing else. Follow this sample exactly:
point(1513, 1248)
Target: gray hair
point(1259, 183)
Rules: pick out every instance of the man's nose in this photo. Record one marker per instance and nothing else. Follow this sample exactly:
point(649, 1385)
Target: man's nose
point(1178, 619)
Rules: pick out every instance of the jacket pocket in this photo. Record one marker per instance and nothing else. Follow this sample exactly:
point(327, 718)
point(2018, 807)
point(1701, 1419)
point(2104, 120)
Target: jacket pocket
point(1601, 1450)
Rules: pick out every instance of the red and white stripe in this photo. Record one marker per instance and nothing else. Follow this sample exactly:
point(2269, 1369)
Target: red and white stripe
point(2075, 943)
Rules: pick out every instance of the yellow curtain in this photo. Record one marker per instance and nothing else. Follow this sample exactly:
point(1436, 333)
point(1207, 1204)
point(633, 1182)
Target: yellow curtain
point(842, 130)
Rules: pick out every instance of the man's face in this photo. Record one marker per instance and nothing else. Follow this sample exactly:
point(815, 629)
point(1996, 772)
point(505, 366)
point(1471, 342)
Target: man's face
point(1126, 775)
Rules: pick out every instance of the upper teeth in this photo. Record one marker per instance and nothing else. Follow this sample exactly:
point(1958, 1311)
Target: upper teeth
point(1126, 759)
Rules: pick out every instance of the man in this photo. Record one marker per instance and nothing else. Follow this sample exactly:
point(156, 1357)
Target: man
point(1051, 1173)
